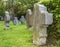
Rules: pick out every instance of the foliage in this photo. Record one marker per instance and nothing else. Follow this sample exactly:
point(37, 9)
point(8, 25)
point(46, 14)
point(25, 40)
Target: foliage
point(53, 6)
point(20, 7)
point(1, 9)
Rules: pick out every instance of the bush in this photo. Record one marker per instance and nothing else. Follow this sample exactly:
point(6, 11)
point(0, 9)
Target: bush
point(53, 7)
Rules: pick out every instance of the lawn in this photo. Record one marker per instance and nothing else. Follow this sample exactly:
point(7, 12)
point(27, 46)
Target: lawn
point(16, 36)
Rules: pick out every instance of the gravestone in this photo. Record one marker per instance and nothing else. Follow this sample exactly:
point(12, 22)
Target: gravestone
point(1, 18)
point(22, 19)
point(41, 20)
point(15, 21)
point(29, 18)
point(7, 20)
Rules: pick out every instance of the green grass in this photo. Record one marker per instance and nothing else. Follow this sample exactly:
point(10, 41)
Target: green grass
point(16, 36)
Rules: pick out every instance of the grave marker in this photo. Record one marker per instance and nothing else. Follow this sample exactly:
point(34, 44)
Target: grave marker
point(40, 23)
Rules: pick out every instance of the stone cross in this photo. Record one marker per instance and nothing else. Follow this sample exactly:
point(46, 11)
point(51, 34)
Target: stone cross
point(29, 18)
point(41, 20)
point(7, 20)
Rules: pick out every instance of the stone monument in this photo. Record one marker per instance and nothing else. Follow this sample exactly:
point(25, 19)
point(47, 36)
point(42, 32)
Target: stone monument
point(29, 18)
point(22, 19)
point(7, 20)
point(1, 18)
point(15, 21)
point(41, 20)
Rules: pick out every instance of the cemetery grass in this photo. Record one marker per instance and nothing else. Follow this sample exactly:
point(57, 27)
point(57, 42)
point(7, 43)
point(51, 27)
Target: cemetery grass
point(17, 36)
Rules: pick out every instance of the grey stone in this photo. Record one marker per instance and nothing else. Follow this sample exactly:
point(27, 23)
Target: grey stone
point(1, 18)
point(48, 18)
point(7, 20)
point(29, 18)
point(15, 21)
point(22, 19)
point(41, 20)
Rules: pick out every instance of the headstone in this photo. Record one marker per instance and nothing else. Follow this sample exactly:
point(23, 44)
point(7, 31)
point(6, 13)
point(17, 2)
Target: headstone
point(7, 20)
point(1, 18)
point(22, 19)
point(29, 18)
point(41, 20)
point(15, 21)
